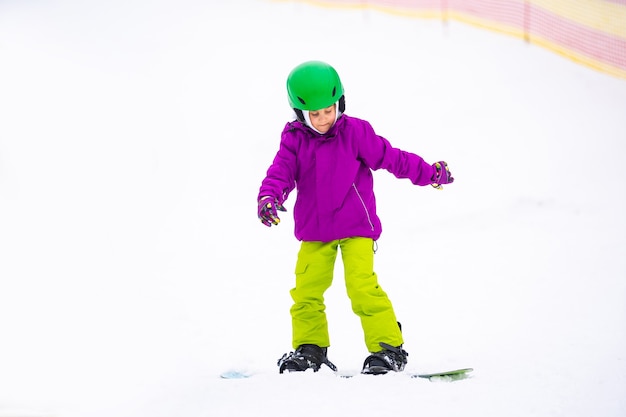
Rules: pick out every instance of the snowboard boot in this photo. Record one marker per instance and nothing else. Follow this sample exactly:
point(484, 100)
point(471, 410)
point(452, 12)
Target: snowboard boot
point(389, 359)
point(305, 357)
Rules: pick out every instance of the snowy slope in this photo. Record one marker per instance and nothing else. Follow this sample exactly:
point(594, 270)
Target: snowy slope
point(133, 270)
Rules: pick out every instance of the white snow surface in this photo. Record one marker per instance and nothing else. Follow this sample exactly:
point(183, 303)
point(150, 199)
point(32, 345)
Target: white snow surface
point(133, 270)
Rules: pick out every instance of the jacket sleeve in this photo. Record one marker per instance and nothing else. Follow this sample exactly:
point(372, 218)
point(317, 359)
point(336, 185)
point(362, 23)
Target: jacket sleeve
point(376, 152)
point(280, 178)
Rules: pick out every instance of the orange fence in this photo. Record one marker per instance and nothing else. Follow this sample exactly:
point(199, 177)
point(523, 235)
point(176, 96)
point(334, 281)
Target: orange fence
point(591, 32)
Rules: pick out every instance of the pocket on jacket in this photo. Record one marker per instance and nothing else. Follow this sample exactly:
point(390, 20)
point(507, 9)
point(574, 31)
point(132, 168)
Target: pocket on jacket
point(362, 208)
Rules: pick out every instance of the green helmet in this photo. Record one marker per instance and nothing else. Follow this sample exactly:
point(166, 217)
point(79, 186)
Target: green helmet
point(313, 85)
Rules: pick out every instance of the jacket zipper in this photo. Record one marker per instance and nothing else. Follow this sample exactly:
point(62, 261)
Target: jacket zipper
point(367, 213)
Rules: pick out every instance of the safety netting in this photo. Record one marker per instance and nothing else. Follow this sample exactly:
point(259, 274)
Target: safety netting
point(590, 32)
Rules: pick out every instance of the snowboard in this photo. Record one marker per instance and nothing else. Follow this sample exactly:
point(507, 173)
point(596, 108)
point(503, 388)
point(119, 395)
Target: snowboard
point(234, 374)
point(455, 375)
point(446, 376)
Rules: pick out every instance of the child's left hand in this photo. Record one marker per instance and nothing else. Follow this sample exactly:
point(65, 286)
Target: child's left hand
point(442, 174)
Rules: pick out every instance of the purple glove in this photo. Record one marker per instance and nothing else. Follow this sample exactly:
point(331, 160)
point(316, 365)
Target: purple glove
point(442, 174)
point(268, 210)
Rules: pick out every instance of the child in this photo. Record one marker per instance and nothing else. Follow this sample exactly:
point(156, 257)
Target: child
point(329, 157)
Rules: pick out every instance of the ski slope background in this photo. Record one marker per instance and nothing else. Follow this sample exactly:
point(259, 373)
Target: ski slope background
point(133, 269)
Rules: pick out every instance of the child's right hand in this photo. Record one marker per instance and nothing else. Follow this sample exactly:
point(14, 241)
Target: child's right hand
point(268, 208)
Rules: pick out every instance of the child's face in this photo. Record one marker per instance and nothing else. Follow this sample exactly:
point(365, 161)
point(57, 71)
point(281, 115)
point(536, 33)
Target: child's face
point(323, 119)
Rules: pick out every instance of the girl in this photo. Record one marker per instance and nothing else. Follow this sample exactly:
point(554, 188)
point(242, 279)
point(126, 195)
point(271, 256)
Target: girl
point(329, 157)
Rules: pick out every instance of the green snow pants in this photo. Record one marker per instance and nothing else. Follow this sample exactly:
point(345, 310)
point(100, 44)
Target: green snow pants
point(314, 275)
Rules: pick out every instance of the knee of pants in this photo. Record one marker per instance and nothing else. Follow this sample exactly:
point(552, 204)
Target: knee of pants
point(368, 300)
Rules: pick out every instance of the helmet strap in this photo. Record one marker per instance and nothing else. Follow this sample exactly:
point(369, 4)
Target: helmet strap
point(299, 115)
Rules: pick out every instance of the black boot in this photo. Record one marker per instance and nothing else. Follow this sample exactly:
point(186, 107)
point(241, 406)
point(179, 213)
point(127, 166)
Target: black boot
point(305, 357)
point(389, 359)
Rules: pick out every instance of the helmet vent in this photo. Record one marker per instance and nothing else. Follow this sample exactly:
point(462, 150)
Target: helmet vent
point(301, 100)
point(334, 91)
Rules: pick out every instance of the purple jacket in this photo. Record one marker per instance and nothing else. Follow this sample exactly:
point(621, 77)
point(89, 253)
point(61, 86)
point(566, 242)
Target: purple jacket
point(333, 176)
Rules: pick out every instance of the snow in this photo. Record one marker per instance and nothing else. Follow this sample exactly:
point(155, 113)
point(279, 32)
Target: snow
point(133, 269)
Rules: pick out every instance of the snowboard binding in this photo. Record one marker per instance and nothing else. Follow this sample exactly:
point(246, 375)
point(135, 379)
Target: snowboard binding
point(305, 357)
point(389, 359)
